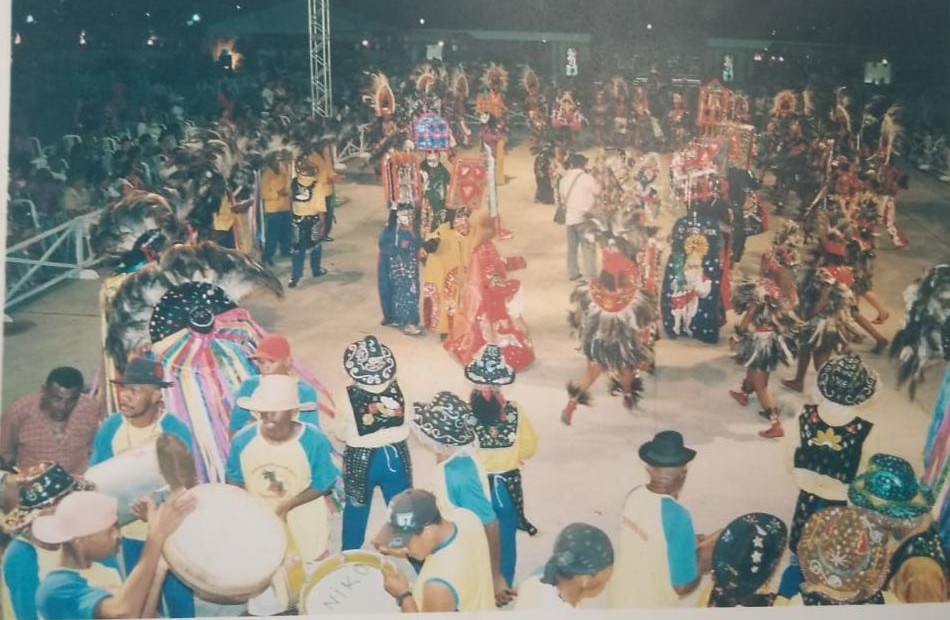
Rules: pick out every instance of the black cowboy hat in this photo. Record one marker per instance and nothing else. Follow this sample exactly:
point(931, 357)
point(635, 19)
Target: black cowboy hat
point(666, 449)
point(142, 371)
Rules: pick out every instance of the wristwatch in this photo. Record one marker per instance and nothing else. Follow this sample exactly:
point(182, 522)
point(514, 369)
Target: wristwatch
point(400, 598)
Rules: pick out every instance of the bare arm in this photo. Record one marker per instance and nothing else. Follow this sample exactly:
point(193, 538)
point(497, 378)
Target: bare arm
point(307, 495)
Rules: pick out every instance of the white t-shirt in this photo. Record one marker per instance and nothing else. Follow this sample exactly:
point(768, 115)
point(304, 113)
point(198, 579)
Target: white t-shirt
point(578, 197)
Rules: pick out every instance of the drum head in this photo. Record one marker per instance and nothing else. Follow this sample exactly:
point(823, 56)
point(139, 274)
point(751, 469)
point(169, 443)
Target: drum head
point(351, 582)
point(229, 548)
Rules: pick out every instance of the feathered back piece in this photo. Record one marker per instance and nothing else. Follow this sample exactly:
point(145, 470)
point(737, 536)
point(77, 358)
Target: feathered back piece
point(380, 95)
point(128, 221)
point(784, 103)
point(425, 79)
point(495, 78)
point(188, 282)
point(620, 227)
point(460, 83)
point(786, 245)
point(891, 132)
point(619, 89)
point(923, 334)
point(530, 82)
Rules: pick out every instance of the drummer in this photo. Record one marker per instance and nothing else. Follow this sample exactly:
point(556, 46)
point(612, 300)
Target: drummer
point(456, 573)
point(286, 463)
point(84, 524)
point(40, 488)
point(273, 357)
point(141, 418)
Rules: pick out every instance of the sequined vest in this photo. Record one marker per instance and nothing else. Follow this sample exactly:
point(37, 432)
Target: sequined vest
point(370, 418)
point(833, 451)
point(926, 544)
point(501, 434)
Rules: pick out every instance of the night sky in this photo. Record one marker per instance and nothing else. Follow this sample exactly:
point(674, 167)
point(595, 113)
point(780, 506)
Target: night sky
point(918, 24)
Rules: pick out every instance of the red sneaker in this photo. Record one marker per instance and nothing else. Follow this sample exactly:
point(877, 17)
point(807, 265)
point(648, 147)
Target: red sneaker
point(774, 431)
point(740, 397)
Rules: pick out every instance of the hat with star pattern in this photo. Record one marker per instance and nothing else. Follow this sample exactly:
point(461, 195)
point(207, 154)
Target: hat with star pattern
point(745, 556)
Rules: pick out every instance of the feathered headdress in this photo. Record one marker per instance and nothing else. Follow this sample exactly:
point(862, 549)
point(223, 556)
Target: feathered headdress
point(460, 83)
point(136, 229)
point(925, 332)
point(891, 132)
point(425, 79)
point(187, 287)
point(380, 95)
point(495, 78)
point(619, 89)
point(784, 103)
point(530, 82)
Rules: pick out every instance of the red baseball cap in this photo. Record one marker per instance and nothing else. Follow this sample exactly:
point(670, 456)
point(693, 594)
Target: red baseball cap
point(272, 347)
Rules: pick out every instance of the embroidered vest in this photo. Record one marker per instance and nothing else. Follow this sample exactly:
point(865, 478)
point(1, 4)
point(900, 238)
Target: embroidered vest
point(371, 411)
point(501, 434)
point(833, 451)
point(926, 544)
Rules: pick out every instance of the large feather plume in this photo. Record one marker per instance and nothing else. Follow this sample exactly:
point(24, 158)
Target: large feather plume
point(131, 309)
point(122, 224)
point(891, 132)
point(495, 77)
point(919, 339)
point(380, 95)
point(530, 82)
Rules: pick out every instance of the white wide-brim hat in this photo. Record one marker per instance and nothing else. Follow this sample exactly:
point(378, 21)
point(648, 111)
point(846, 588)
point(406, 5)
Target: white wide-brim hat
point(275, 393)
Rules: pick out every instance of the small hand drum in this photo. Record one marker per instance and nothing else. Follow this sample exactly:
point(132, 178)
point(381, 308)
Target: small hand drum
point(229, 548)
point(351, 582)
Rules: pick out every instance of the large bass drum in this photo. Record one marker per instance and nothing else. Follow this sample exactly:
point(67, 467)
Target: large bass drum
point(351, 582)
point(229, 548)
point(155, 468)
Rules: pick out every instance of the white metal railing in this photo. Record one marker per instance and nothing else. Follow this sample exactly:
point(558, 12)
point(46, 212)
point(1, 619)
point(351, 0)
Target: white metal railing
point(31, 267)
point(354, 147)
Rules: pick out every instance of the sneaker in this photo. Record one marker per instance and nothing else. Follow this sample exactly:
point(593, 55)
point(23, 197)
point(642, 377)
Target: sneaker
point(774, 431)
point(740, 397)
point(293, 282)
point(320, 272)
point(412, 330)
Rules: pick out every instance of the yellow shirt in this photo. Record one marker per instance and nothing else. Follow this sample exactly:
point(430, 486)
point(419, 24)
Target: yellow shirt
point(224, 216)
point(310, 198)
point(500, 460)
point(272, 183)
point(462, 563)
point(274, 472)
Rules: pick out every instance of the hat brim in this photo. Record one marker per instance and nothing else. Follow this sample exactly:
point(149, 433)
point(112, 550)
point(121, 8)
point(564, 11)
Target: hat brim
point(248, 402)
point(506, 379)
point(918, 505)
point(392, 538)
point(648, 456)
point(163, 384)
point(429, 433)
point(20, 518)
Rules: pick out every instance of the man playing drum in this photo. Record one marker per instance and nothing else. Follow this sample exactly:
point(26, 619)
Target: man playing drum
point(141, 418)
point(287, 464)
point(456, 574)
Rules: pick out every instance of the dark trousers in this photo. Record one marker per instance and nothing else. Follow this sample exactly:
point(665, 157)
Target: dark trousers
point(276, 234)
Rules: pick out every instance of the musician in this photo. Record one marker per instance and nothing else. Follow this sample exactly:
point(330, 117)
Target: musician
point(456, 574)
point(141, 418)
point(84, 523)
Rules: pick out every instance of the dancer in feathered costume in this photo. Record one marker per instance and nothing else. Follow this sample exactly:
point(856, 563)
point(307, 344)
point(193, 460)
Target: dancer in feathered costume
point(826, 303)
point(840, 117)
point(387, 132)
point(888, 179)
point(491, 108)
point(621, 96)
point(767, 333)
point(534, 107)
point(183, 310)
point(923, 338)
point(615, 314)
point(456, 117)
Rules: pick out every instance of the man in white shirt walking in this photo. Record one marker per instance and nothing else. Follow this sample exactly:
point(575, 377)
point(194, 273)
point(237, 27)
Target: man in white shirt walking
point(578, 190)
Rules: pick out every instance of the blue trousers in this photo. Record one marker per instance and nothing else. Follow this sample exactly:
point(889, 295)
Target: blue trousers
point(178, 601)
point(386, 471)
point(507, 514)
point(297, 257)
point(276, 234)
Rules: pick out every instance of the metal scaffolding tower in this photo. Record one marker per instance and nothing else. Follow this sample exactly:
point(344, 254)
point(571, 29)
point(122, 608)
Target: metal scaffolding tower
point(321, 85)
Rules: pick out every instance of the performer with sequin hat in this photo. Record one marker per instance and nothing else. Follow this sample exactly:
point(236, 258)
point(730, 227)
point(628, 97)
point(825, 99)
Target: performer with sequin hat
point(918, 566)
point(506, 438)
point(445, 426)
point(376, 454)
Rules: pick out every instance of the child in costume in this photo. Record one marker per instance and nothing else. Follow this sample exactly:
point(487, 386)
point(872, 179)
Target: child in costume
point(766, 335)
point(399, 272)
point(506, 439)
point(376, 453)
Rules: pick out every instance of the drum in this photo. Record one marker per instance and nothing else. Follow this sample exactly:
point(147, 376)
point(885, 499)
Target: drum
point(229, 548)
point(153, 468)
point(351, 582)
